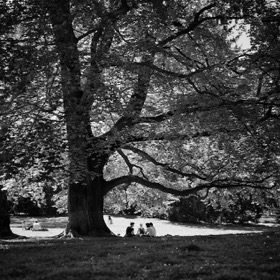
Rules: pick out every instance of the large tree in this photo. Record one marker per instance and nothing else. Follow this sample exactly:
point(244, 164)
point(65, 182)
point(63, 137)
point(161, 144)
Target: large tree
point(152, 82)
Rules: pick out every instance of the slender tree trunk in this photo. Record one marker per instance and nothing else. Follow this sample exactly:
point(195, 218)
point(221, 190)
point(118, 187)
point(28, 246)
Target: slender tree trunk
point(5, 230)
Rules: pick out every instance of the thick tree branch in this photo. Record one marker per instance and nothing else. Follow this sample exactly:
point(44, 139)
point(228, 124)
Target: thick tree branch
point(182, 137)
point(180, 75)
point(164, 165)
point(138, 98)
point(219, 184)
point(135, 179)
point(89, 32)
point(187, 109)
point(158, 70)
point(131, 165)
point(128, 163)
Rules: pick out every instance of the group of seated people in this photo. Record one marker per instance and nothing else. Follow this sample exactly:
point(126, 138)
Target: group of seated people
point(149, 231)
point(35, 226)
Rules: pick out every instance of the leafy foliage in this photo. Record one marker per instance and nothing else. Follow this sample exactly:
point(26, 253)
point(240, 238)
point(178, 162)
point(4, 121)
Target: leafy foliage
point(138, 200)
point(232, 208)
point(187, 210)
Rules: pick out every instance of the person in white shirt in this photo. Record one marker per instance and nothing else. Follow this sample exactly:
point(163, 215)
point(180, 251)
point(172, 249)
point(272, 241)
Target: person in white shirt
point(149, 230)
point(37, 226)
point(154, 232)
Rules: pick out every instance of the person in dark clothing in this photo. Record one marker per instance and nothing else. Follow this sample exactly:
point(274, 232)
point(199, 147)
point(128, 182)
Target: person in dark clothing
point(27, 226)
point(130, 231)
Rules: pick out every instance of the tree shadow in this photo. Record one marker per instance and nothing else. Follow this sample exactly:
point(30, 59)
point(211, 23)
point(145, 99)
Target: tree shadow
point(223, 226)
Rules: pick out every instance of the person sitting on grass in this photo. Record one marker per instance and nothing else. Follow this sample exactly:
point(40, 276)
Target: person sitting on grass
point(149, 230)
point(154, 233)
point(26, 226)
point(140, 231)
point(37, 226)
point(130, 230)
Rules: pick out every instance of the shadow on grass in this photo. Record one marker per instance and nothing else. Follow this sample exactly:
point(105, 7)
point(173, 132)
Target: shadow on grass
point(201, 257)
point(227, 226)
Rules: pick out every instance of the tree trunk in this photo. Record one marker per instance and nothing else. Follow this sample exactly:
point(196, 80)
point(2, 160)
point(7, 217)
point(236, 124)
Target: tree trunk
point(86, 183)
point(85, 206)
point(5, 230)
point(87, 155)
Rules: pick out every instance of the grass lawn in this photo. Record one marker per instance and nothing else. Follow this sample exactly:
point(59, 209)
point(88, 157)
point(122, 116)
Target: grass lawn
point(209, 252)
point(224, 257)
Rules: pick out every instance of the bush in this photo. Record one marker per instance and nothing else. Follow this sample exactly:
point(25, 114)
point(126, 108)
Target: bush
point(131, 210)
point(155, 212)
point(187, 210)
point(242, 209)
point(26, 206)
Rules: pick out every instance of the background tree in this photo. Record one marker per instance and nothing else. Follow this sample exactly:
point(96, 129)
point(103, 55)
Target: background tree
point(4, 209)
point(157, 82)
